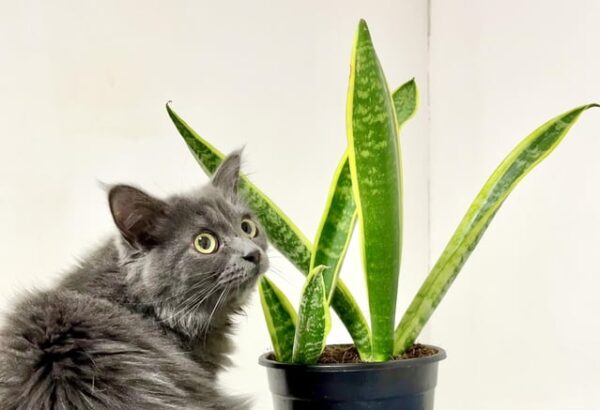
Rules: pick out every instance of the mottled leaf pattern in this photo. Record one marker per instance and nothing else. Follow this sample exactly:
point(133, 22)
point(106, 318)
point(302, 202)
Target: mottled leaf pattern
point(530, 152)
point(376, 178)
point(314, 322)
point(280, 317)
point(406, 100)
point(335, 230)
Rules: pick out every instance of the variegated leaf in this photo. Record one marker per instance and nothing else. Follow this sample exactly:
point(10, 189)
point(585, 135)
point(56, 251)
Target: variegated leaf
point(523, 158)
point(280, 317)
point(314, 321)
point(377, 182)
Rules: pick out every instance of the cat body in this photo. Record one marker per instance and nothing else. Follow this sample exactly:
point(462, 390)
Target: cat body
point(144, 321)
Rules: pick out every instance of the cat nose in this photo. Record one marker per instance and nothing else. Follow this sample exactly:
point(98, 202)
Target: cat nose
point(252, 256)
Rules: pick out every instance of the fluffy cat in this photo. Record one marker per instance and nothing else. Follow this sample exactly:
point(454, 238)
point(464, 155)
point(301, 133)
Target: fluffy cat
point(143, 322)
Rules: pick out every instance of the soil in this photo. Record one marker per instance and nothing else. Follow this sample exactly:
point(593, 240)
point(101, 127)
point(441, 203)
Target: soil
point(349, 354)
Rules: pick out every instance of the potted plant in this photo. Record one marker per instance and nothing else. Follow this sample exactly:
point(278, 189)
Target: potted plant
point(383, 368)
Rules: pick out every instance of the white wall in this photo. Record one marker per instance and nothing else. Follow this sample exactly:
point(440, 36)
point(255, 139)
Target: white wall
point(83, 88)
point(521, 322)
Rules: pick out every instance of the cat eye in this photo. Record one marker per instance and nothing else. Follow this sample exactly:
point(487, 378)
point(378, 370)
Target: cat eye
point(249, 228)
point(206, 243)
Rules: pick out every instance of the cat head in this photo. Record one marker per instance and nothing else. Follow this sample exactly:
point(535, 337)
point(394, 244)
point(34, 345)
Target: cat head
point(193, 257)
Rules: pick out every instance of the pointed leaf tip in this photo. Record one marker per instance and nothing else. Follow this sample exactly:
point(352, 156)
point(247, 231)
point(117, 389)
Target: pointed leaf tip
point(168, 106)
point(363, 28)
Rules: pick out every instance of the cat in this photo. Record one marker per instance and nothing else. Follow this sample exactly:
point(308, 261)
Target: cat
point(144, 322)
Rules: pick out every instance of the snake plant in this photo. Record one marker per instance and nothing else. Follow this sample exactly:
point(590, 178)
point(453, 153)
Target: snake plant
point(367, 190)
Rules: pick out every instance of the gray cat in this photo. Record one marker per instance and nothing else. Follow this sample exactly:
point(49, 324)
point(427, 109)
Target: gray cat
point(144, 322)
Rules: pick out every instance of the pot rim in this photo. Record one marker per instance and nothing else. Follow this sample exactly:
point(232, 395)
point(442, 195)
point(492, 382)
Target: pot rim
point(264, 360)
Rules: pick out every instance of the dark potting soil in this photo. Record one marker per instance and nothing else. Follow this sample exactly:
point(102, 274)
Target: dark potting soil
point(348, 353)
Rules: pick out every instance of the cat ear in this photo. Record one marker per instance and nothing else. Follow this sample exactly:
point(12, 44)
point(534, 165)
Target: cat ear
point(136, 214)
point(228, 174)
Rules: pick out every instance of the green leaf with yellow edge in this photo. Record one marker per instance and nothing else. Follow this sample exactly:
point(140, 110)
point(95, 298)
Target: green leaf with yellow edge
point(280, 317)
point(377, 182)
point(522, 159)
point(335, 229)
point(314, 321)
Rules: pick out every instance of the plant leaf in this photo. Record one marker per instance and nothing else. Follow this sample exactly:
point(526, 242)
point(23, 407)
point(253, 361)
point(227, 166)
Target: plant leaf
point(522, 159)
point(335, 229)
point(280, 317)
point(406, 101)
point(314, 321)
point(376, 179)
point(283, 234)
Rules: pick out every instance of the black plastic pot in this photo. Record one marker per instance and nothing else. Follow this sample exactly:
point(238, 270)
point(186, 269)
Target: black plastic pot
point(397, 385)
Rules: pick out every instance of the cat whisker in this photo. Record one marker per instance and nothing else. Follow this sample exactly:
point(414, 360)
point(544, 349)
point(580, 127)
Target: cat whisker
point(224, 292)
point(187, 309)
point(198, 302)
point(283, 276)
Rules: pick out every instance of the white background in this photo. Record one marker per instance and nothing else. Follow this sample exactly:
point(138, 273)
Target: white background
point(83, 87)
